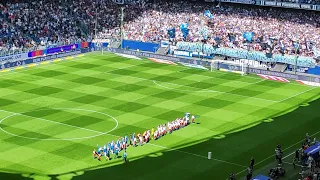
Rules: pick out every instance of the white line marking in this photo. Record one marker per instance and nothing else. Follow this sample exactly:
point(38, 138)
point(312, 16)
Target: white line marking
point(187, 153)
point(208, 90)
point(292, 164)
point(203, 90)
point(96, 54)
point(99, 133)
point(76, 109)
point(298, 94)
point(38, 66)
point(283, 151)
point(197, 155)
point(108, 72)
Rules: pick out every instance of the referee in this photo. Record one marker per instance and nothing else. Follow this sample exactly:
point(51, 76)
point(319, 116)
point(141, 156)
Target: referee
point(279, 153)
point(251, 162)
point(249, 175)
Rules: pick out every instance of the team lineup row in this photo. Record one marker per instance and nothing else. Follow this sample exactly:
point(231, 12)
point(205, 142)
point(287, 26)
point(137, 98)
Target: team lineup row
point(133, 140)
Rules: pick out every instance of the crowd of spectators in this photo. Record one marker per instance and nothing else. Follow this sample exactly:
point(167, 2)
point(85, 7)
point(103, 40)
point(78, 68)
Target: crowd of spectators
point(276, 27)
point(30, 23)
point(34, 23)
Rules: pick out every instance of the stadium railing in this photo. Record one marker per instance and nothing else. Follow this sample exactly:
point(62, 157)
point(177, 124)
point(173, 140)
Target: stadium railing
point(245, 54)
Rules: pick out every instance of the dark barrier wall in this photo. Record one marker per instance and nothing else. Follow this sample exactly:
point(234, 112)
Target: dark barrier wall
point(142, 46)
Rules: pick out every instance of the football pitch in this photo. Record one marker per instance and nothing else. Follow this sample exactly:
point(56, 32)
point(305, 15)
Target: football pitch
point(53, 115)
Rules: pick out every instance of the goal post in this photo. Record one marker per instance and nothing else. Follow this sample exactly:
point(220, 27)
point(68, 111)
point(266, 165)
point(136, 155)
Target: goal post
point(242, 63)
point(239, 66)
point(214, 65)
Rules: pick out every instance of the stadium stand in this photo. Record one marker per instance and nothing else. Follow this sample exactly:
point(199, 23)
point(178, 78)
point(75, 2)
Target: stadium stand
point(31, 24)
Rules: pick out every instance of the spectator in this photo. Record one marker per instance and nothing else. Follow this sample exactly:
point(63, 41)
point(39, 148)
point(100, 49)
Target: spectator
point(32, 24)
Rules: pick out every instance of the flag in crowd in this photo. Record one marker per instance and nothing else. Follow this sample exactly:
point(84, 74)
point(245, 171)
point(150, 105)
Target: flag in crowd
point(296, 45)
point(204, 33)
point(172, 33)
point(248, 36)
point(208, 14)
point(184, 29)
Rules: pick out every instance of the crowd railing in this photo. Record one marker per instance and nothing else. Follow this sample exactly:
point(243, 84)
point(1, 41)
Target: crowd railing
point(301, 61)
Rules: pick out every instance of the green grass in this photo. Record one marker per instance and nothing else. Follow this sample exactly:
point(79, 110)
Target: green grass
point(54, 115)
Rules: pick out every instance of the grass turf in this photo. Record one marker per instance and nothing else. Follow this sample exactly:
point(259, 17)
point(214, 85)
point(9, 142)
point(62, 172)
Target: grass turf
point(54, 115)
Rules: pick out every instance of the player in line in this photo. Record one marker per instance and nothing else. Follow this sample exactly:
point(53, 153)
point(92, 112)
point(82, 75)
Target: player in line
point(124, 142)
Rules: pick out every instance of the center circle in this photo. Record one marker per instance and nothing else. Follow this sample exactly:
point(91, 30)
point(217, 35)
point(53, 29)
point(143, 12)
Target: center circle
point(62, 139)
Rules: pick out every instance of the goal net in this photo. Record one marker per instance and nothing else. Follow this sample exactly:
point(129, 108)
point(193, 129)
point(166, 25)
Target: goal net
point(231, 66)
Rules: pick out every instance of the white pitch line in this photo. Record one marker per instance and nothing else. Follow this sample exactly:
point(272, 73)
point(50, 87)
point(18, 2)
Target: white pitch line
point(203, 90)
point(292, 164)
point(283, 150)
point(108, 72)
point(188, 153)
point(36, 67)
point(197, 155)
point(49, 64)
point(101, 133)
point(298, 94)
point(208, 90)
point(223, 72)
point(55, 122)
point(96, 54)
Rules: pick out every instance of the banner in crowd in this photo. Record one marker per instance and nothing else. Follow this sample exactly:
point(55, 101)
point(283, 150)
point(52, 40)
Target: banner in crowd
point(37, 59)
point(35, 53)
point(245, 54)
point(157, 56)
point(293, 5)
point(84, 44)
point(164, 43)
point(57, 49)
point(204, 32)
point(208, 14)
point(192, 54)
point(248, 36)
point(184, 29)
point(15, 57)
point(61, 49)
point(240, 1)
point(172, 33)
